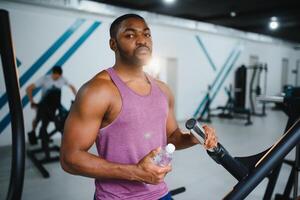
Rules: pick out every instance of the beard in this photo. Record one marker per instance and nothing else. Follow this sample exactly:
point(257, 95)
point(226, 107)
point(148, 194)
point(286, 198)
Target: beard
point(133, 59)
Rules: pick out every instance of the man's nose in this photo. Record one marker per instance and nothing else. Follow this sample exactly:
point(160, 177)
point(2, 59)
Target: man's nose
point(141, 39)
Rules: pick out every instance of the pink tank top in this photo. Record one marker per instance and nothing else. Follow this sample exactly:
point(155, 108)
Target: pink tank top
point(139, 128)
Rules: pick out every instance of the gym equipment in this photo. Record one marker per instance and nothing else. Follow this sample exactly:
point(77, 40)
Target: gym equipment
point(235, 105)
point(251, 170)
point(255, 89)
point(266, 164)
point(271, 99)
point(177, 191)
point(219, 153)
point(231, 109)
point(15, 107)
point(240, 86)
point(49, 109)
point(292, 109)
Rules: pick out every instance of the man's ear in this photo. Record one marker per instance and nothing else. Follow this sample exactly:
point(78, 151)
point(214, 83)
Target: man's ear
point(112, 44)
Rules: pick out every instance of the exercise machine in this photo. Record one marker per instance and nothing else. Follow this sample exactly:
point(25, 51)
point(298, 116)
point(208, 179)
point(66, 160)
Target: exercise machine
point(291, 106)
point(232, 109)
point(251, 170)
point(235, 105)
point(255, 88)
point(49, 110)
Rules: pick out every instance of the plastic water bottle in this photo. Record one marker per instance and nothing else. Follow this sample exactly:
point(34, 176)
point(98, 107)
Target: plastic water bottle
point(164, 157)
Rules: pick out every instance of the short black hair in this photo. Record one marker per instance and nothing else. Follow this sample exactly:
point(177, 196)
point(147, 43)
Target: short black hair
point(114, 27)
point(57, 70)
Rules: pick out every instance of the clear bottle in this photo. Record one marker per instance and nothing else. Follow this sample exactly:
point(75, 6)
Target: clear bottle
point(164, 157)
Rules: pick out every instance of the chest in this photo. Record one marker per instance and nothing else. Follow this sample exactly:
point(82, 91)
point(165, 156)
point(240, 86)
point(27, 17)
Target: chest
point(137, 107)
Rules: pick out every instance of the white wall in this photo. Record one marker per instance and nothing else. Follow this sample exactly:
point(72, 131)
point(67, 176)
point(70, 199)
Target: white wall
point(34, 30)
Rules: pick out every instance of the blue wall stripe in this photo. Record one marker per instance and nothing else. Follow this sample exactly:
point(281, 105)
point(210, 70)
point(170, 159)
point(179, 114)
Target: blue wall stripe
point(4, 122)
point(25, 100)
point(220, 84)
point(58, 43)
point(3, 100)
point(41, 60)
point(78, 43)
point(212, 64)
point(225, 64)
point(18, 62)
point(204, 100)
point(216, 79)
point(226, 74)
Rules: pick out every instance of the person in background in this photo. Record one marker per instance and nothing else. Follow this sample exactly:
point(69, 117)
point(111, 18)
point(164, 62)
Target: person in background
point(53, 81)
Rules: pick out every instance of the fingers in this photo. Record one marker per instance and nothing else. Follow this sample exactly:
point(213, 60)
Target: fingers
point(151, 172)
point(211, 138)
point(155, 174)
point(162, 172)
point(154, 152)
point(165, 169)
point(168, 168)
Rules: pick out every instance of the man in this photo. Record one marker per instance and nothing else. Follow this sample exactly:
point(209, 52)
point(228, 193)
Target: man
point(130, 116)
point(47, 83)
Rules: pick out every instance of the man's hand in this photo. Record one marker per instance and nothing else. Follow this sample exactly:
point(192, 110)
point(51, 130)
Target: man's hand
point(34, 105)
point(149, 171)
point(211, 139)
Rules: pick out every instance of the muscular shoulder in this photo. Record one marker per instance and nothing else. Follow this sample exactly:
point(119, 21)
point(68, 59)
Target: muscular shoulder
point(96, 93)
point(99, 85)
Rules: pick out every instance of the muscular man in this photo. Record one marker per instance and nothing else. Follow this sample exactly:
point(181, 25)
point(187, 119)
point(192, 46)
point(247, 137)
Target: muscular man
point(129, 115)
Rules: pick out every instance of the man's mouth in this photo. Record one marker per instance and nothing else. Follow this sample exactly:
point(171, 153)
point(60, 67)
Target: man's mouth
point(142, 50)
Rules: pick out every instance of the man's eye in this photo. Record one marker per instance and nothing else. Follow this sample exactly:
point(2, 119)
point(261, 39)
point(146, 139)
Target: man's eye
point(130, 36)
point(148, 35)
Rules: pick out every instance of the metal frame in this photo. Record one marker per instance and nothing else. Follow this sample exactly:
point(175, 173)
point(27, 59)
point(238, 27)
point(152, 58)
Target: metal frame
point(15, 106)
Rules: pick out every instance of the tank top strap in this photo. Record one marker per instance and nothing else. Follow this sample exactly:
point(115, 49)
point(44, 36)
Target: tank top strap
point(154, 86)
point(117, 81)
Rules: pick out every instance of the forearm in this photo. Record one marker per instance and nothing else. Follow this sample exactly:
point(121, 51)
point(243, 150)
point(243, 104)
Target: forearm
point(73, 89)
point(89, 165)
point(29, 91)
point(29, 94)
point(182, 139)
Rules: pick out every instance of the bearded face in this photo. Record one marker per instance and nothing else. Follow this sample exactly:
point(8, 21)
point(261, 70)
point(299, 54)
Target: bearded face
point(133, 42)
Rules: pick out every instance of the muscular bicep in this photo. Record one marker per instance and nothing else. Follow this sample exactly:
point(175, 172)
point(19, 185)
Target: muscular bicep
point(84, 120)
point(81, 129)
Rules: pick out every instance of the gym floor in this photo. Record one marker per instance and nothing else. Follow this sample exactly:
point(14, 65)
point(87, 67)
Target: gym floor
point(192, 168)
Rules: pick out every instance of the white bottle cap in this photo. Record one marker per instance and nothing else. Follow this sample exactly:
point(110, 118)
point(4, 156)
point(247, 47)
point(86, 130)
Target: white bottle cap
point(170, 148)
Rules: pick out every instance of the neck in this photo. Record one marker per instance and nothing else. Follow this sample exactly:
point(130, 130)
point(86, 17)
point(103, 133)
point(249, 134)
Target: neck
point(130, 71)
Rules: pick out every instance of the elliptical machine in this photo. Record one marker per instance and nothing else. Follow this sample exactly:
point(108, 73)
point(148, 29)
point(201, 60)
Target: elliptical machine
point(250, 170)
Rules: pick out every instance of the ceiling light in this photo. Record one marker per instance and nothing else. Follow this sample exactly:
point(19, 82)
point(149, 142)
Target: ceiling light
point(169, 1)
point(273, 25)
point(232, 14)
